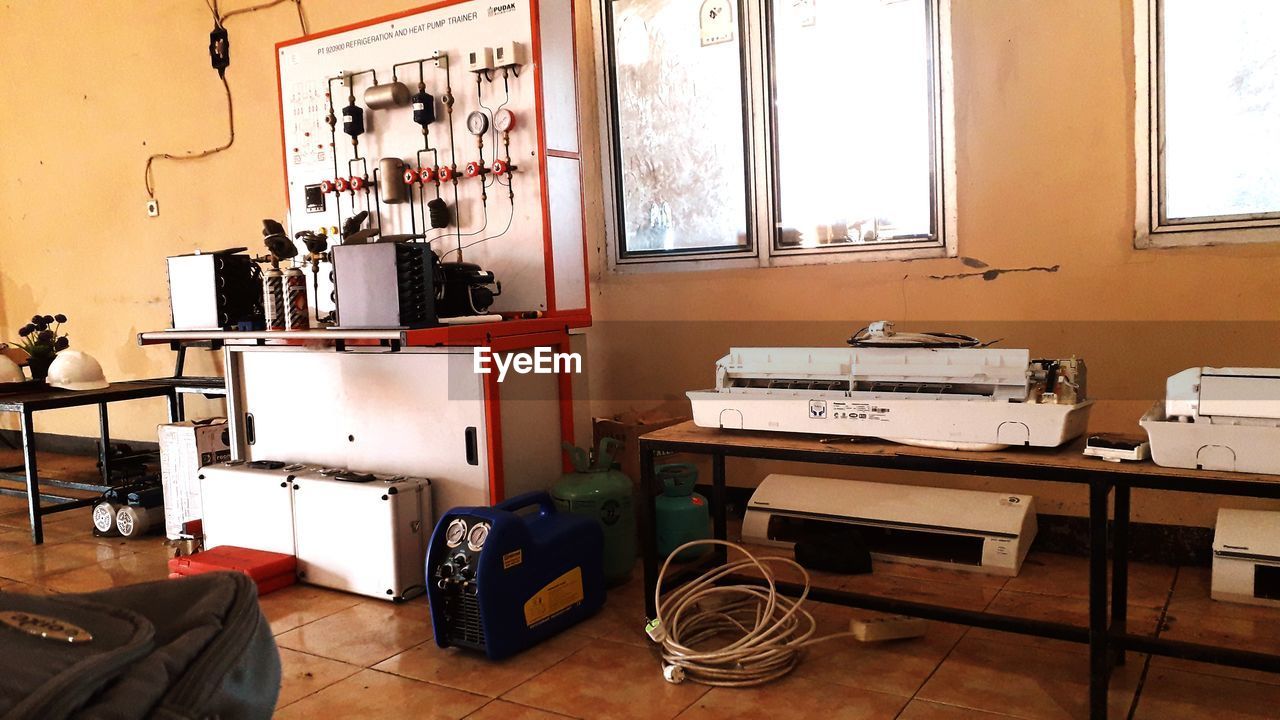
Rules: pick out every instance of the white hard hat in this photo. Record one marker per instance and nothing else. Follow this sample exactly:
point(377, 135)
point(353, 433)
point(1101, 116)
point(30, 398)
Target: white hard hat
point(9, 370)
point(74, 370)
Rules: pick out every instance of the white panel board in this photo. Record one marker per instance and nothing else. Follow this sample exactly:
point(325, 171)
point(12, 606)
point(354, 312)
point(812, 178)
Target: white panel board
point(499, 227)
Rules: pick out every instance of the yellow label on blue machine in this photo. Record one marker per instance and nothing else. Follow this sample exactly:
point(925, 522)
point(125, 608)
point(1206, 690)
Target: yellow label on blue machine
point(559, 595)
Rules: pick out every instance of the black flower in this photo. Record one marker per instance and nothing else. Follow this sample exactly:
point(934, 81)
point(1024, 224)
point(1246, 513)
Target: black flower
point(48, 319)
point(26, 330)
point(61, 344)
point(41, 325)
point(60, 318)
point(35, 319)
point(45, 336)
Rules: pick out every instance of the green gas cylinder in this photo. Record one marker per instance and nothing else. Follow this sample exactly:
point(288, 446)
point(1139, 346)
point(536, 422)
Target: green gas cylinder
point(682, 515)
point(598, 490)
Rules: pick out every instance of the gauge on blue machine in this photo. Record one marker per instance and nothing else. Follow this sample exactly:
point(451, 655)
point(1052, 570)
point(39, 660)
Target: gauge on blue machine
point(479, 533)
point(477, 123)
point(456, 531)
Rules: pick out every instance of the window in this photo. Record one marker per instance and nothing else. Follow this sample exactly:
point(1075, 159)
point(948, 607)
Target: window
point(773, 132)
point(1208, 136)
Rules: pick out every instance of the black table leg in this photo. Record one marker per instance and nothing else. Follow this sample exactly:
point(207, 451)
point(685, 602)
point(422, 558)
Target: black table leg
point(33, 478)
point(104, 449)
point(647, 528)
point(1099, 655)
point(177, 413)
point(719, 521)
point(1120, 569)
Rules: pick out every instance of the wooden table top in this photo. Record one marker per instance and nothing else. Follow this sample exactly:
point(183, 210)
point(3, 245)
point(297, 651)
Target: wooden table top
point(1066, 463)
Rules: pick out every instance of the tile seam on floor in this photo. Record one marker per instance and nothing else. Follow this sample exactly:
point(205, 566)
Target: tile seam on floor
point(1146, 662)
point(531, 707)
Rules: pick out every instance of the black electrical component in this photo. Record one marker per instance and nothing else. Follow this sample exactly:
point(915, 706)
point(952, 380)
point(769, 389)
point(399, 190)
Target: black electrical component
point(353, 120)
point(439, 211)
point(424, 108)
point(219, 49)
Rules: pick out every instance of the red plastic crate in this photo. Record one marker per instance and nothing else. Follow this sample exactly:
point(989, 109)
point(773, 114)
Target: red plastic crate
point(270, 571)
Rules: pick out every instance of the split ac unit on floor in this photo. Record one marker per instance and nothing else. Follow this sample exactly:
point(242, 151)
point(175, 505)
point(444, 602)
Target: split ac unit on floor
point(1246, 557)
point(963, 529)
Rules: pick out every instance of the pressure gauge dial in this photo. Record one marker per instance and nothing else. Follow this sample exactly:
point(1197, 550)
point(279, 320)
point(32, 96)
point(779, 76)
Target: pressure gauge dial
point(504, 120)
point(479, 533)
point(456, 531)
point(477, 123)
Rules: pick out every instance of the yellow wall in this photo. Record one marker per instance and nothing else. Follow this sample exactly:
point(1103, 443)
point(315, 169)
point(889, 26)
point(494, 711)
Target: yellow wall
point(1044, 109)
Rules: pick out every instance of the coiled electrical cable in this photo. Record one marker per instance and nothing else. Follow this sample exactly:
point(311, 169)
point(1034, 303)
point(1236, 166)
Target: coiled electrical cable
point(732, 635)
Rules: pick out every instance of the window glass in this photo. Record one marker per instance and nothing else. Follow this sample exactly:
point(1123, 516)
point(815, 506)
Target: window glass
point(1220, 125)
point(679, 115)
point(854, 122)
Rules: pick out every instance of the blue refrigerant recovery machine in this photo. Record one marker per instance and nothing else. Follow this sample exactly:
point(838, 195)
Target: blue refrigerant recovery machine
point(501, 580)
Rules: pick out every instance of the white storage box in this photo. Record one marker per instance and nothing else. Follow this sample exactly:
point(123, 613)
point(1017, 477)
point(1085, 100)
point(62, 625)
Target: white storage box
point(185, 447)
point(1246, 557)
point(249, 504)
point(362, 533)
point(1234, 447)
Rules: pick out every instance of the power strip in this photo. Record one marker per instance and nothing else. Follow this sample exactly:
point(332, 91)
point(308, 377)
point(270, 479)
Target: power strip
point(897, 627)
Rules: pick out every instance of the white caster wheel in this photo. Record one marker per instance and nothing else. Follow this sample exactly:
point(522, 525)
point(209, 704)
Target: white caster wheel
point(104, 518)
point(133, 521)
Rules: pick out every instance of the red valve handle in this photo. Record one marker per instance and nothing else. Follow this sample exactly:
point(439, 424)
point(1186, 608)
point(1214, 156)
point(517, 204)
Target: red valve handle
point(474, 169)
point(326, 186)
point(500, 167)
point(411, 176)
point(341, 185)
point(446, 173)
point(429, 174)
point(357, 183)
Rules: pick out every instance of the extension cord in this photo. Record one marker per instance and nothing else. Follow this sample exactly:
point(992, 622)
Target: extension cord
point(765, 631)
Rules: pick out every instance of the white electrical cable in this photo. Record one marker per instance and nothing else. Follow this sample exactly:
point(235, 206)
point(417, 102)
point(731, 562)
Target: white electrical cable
point(732, 635)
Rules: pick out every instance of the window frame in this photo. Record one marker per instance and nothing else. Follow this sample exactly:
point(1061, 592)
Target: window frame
point(1151, 229)
point(763, 199)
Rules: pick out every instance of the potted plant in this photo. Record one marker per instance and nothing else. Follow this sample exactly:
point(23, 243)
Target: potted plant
point(42, 339)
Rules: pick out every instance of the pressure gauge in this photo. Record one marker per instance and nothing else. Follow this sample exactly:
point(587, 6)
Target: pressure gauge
point(504, 120)
point(456, 531)
point(477, 123)
point(479, 533)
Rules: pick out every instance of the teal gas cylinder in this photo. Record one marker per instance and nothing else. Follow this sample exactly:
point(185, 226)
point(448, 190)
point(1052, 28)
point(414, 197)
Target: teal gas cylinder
point(597, 490)
point(681, 514)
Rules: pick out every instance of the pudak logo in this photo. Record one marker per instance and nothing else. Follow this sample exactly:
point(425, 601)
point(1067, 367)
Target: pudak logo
point(542, 361)
point(500, 9)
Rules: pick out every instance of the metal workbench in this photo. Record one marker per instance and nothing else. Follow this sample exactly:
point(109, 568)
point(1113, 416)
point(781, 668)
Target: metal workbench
point(1106, 633)
point(27, 403)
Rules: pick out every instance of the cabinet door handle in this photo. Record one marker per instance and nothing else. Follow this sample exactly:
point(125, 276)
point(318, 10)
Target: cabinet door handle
point(250, 436)
point(473, 448)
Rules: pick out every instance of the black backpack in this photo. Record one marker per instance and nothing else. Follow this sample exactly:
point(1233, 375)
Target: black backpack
point(184, 649)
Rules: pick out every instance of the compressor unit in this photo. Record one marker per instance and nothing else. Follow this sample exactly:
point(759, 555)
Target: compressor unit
point(500, 581)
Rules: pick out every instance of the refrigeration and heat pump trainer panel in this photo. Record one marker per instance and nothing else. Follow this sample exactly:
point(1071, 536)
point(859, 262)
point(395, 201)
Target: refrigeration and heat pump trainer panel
point(455, 124)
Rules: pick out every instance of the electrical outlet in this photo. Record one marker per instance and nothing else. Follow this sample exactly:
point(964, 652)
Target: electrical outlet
point(153, 208)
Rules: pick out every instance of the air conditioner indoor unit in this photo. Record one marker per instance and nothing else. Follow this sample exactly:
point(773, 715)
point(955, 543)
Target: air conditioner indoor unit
point(1246, 557)
point(962, 529)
